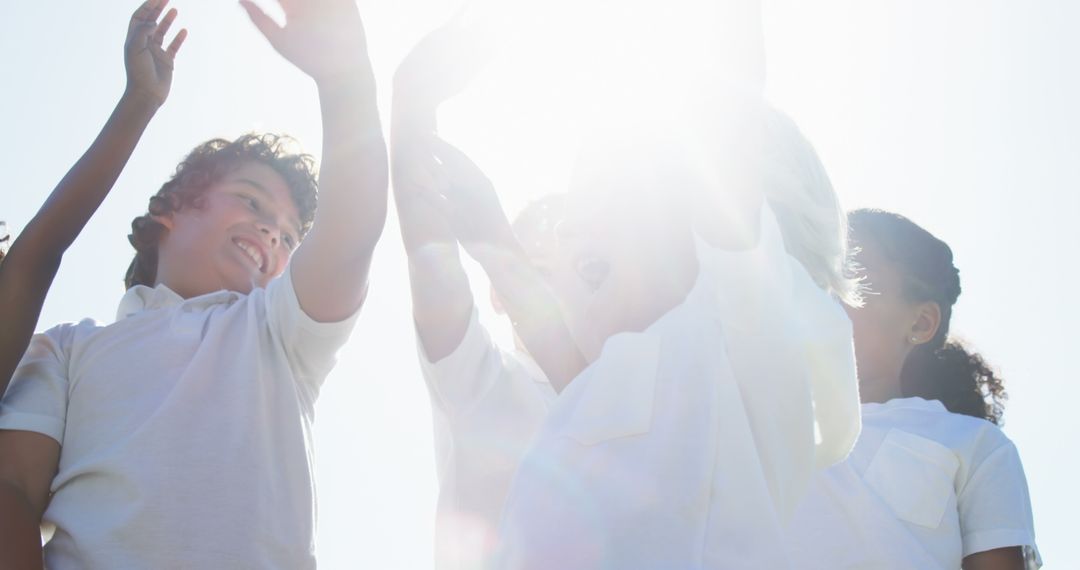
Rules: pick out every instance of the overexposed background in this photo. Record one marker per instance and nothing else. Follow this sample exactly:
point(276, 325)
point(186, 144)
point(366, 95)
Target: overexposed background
point(961, 115)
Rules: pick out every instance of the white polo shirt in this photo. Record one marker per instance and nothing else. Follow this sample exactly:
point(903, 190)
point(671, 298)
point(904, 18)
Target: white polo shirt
point(923, 488)
point(488, 404)
point(686, 445)
point(185, 430)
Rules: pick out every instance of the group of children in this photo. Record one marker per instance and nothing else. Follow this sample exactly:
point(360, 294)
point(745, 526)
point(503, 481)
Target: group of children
point(682, 392)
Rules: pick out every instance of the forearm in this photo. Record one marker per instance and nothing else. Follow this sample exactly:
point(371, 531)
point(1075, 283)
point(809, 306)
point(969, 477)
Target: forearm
point(442, 299)
point(1009, 558)
point(31, 264)
point(353, 176)
point(84, 187)
point(22, 295)
point(534, 311)
point(20, 537)
point(422, 226)
point(331, 267)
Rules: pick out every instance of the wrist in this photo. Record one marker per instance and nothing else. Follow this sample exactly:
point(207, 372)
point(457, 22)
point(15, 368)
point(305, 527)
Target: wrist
point(498, 253)
point(350, 78)
point(136, 98)
point(139, 102)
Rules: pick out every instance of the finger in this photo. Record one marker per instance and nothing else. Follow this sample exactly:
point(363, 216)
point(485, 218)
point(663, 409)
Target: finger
point(265, 24)
point(163, 27)
point(144, 12)
point(142, 23)
point(174, 46)
point(155, 9)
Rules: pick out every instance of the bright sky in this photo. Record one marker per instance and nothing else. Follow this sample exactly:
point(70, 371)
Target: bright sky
point(960, 115)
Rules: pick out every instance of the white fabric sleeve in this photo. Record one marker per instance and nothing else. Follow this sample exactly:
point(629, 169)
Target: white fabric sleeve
point(753, 286)
point(310, 346)
point(994, 504)
point(459, 381)
point(827, 341)
point(37, 397)
point(765, 294)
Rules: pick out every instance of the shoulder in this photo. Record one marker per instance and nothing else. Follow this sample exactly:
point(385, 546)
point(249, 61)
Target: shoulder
point(67, 333)
point(972, 440)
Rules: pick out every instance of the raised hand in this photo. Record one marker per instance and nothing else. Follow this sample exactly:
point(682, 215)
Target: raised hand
point(149, 65)
point(441, 65)
point(468, 201)
point(324, 38)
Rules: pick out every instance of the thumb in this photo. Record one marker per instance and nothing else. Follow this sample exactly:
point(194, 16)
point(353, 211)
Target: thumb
point(266, 25)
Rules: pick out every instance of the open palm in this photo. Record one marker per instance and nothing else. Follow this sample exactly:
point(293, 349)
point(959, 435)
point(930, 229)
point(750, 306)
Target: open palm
point(442, 64)
point(149, 65)
point(324, 38)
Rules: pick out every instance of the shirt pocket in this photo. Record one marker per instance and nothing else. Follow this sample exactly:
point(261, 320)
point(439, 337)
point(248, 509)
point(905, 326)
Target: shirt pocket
point(614, 395)
point(914, 476)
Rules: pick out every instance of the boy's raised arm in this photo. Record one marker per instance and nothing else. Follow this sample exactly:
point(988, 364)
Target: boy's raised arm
point(473, 210)
point(436, 69)
point(325, 39)
point(33, 260)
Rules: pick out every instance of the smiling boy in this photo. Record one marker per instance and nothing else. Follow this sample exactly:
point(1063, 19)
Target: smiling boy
point(180, 435)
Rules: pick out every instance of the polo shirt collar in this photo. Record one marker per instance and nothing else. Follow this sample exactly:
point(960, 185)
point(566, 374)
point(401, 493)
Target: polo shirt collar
point(142, 298)
point(915, 403)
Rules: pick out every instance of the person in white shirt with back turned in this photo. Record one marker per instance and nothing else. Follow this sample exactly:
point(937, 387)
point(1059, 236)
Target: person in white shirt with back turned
point(932, 481)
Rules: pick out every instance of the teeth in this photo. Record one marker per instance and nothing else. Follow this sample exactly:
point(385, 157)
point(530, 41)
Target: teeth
point(252, 253)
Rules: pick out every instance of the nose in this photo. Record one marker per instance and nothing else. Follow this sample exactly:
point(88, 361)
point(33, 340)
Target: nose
point(269, 232)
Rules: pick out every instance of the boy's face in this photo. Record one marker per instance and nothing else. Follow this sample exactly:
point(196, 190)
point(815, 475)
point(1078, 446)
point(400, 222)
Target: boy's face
point(238, 237)
point(621, 247)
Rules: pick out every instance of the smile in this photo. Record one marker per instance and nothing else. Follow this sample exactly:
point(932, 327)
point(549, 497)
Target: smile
point(252, 252)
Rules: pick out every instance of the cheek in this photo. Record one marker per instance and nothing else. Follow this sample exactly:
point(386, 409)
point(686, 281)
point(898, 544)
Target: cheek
point(281, 262)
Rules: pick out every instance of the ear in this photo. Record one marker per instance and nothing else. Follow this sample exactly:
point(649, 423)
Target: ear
point(926, 324)
point(496, 302)
point(165, 220)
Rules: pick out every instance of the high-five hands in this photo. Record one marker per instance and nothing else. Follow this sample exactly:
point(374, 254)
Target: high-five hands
point(324, 38)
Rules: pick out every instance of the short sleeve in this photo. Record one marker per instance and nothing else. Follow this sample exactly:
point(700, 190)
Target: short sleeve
point(36, 399)
point(994, 504)
point(459, 380)
point(310, 346)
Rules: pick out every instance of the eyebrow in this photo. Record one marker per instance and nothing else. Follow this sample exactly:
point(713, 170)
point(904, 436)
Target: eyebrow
point(269, 196)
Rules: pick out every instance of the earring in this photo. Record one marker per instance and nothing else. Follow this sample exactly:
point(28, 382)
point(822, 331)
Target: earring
point(914, 340)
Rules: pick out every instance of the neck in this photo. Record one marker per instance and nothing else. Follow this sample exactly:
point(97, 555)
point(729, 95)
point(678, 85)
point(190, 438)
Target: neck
point(879, 390)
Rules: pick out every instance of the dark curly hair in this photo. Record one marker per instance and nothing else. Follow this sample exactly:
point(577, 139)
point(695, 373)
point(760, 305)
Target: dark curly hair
point(943, 369)
point(206, 165)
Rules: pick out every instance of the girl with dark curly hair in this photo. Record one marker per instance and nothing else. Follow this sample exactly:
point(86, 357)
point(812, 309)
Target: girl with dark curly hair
point(932, 481)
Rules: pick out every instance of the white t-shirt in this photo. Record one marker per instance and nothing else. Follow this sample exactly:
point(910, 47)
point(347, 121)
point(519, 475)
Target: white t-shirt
point(923, 488)
point(488, 405)
point(686, 445)
point(185, 430)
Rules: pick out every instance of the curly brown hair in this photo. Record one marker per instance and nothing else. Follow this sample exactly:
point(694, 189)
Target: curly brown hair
point(206, 165)
point(943, 369)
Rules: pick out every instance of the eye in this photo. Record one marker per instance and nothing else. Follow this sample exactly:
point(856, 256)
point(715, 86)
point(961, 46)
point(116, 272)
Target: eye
point(289, 241)
point(251, 202)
